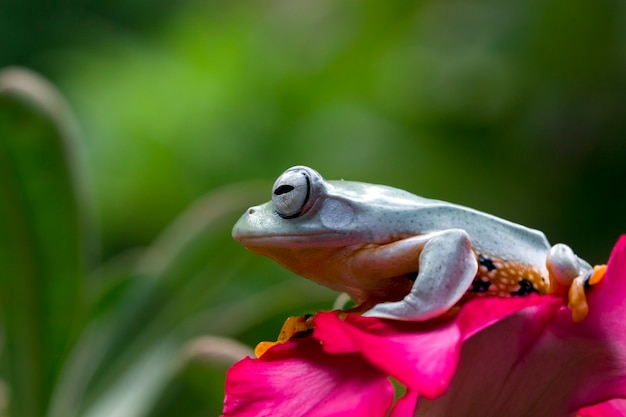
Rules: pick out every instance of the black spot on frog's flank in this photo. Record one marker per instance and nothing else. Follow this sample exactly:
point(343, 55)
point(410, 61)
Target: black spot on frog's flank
point(486, 262)
point(525, 288)
point(478, 285)
point(283, 189)
point(412, 275)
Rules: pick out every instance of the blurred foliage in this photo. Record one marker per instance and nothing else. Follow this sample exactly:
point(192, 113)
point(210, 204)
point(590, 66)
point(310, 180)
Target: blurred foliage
point(515, 108)
point(125, 338)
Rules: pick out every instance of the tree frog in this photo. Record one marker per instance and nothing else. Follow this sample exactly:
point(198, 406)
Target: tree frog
point(398, 255)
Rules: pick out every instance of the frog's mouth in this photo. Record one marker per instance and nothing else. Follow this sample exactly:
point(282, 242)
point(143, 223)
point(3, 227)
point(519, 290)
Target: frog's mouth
point(313, 240)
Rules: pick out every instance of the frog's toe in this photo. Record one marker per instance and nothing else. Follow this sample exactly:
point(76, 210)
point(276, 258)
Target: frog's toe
point(595, 276)
point(578, 292)
point(396, 310)
point(295, 326)
point(578, 300)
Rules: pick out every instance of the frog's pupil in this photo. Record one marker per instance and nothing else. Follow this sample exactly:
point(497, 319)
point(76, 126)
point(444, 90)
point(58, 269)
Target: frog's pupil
point(283, 189)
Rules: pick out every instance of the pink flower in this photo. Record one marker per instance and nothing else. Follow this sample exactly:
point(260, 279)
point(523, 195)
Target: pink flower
point(497, 357)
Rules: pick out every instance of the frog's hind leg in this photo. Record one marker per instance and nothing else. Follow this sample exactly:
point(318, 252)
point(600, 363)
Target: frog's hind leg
point(447, 267)
point(570, 274)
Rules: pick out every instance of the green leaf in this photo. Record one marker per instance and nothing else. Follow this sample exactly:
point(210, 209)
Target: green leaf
point(42, 243)
point(177, 277)
point(194, 280)
point(199, 378)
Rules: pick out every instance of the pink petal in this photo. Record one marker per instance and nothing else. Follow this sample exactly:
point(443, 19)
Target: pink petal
point(515, 357)
point(492, 379)
point(615, 408)
point(538, 362)
point(422, 356)
point(299, 379)
point(601, 337)
point(423, 360)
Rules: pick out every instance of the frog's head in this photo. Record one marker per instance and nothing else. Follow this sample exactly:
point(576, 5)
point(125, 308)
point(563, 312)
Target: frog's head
point(311, 226)
point(305, 211)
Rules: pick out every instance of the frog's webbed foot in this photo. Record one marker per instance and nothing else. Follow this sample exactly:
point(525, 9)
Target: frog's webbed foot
point(578, 292)
point(447, 267)
point(294, 326)
point(570, 274)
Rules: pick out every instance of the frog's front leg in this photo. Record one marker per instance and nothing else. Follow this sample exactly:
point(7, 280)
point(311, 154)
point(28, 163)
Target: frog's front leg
point(447, 267)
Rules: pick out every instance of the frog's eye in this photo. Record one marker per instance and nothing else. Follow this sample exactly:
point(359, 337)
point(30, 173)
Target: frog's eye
point(291, 193)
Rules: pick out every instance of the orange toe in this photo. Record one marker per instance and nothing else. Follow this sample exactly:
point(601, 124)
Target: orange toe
point(597, 274)
point(293, 326)
point(578, 300)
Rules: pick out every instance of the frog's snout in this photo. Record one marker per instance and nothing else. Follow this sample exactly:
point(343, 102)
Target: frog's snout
point(258, 225)
point(239, 228)
point(247, 224)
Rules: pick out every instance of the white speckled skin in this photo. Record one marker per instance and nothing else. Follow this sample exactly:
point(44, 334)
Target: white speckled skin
point(361, 228)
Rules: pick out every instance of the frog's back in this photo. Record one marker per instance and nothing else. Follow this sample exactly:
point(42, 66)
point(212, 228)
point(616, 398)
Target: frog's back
point(511, 257)
point(403, 211)
point(488, 233)
point(503, 249)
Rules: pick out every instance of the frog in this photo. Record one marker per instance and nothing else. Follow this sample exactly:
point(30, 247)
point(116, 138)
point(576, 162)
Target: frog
point(402, 256)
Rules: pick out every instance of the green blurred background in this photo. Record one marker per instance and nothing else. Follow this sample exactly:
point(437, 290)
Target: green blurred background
point(515, 108)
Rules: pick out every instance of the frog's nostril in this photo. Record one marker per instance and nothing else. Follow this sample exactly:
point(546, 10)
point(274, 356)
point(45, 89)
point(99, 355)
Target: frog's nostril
point(251, 211)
